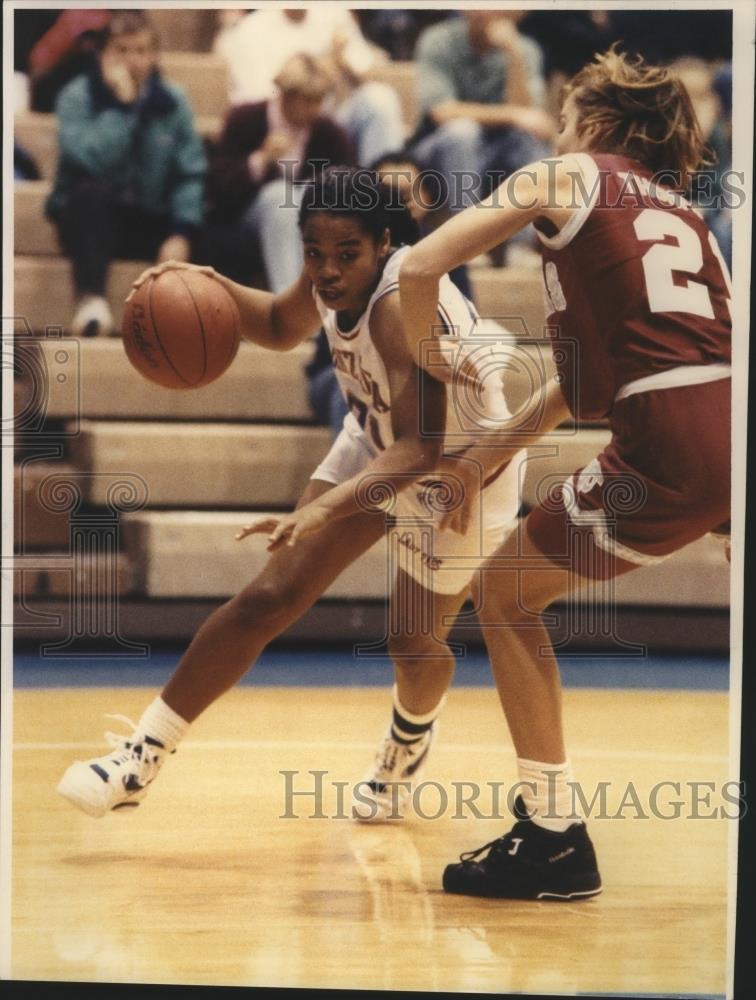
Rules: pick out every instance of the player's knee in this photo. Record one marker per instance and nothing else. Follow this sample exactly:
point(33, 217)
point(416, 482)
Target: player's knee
point(506, 606)
point(261, 606)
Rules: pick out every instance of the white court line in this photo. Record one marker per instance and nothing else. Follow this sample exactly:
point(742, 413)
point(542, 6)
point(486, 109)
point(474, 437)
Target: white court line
point(666, 758)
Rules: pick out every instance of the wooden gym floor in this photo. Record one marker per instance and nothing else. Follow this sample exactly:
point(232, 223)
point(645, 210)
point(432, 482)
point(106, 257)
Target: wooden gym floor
point(206, 883)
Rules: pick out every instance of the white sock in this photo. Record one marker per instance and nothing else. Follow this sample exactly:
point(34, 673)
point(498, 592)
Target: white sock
point(161, 723)
point(409, 727)
point(546, 793)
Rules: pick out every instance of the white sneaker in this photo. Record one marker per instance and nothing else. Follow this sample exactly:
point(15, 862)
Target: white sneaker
point(93, 318)
point(116, 780)
point(384, 793)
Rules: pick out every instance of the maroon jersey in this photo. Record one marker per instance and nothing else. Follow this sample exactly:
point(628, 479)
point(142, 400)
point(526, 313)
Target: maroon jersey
point(636, 281)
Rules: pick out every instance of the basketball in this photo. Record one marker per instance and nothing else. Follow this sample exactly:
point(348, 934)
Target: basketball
point(181, 329)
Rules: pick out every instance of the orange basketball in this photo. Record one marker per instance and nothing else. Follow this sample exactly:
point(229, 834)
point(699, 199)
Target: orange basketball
point(181, 329)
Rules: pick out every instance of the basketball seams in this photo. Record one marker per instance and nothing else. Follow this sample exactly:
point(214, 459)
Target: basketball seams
point(156, 334)
point(201, 326)
point(213, 315)
point(237, 333)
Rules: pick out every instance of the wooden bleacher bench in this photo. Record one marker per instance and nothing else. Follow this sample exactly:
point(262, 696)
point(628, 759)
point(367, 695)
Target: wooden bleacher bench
point(34, 234)
point(259, 385)
point(194, 554)
point(43, 290)
point(189, 554)
point(36, 525)
point(59, 574)
point(200, 464)
point(227, 465)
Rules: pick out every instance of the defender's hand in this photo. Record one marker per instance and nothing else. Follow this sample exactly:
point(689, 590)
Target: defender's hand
point(289, 528)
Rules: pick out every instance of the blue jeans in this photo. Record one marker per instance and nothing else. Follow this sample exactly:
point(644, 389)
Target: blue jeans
point(473, 160)
point(328, 404)
point(372, 117)
point(271, 223)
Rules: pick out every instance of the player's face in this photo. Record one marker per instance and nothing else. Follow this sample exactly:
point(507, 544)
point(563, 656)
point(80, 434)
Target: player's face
point(342, 261)
point(569, 139)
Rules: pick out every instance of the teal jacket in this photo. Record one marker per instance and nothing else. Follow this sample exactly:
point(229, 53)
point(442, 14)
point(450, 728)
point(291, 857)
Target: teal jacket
point(149, 149)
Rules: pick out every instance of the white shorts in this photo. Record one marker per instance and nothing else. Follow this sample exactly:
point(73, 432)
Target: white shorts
point(440, 561)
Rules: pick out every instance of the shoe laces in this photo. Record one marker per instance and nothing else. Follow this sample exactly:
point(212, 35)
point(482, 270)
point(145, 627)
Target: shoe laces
point(495, 846)
point(146, 756)
point(392, 753)
point(386, 758)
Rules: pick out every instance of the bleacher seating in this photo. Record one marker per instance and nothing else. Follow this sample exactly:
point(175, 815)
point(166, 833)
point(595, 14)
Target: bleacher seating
point(185, 554)
point(238, 446)
point(200, 464)
point(259, 385)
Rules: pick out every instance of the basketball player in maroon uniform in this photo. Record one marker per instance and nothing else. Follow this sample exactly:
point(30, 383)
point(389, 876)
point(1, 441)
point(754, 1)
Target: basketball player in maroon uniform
point(636, 282)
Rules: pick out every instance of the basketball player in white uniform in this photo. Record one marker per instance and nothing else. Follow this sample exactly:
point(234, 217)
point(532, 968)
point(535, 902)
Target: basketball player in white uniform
point(394, 463)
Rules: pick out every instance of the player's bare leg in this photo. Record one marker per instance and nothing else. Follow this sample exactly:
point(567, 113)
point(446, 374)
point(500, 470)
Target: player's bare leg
point(548, 854)
point(219, 655)
point(292, 580)
point(423, 668)
point(423, 663)
point(510, 600)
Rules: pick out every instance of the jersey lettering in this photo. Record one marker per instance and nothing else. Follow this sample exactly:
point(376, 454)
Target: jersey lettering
point(664, 260)
point(346, 361)
point(366, 420)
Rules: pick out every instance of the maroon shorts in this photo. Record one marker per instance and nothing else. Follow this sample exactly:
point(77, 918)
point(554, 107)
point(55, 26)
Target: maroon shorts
point(662, 481)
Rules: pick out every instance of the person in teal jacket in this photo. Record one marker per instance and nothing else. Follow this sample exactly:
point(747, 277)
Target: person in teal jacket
point(131, 170)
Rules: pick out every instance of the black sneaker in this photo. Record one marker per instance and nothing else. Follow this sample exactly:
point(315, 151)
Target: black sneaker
point(529, 862)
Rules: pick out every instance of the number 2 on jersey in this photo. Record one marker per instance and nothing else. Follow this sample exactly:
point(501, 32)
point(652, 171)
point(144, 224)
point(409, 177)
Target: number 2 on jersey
point(663, 260)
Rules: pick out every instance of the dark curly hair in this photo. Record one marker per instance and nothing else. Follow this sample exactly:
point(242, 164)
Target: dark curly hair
point(360, 193)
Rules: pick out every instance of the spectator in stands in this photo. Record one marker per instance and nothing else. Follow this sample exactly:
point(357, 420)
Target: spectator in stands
point(714, 114)
point(67, 49)
point(131, 167)
point(481, 91)
point(395, 29)
point(326, 398)
point(257, 45)
point(568, 38)
point(265, 147)
point(419, 191)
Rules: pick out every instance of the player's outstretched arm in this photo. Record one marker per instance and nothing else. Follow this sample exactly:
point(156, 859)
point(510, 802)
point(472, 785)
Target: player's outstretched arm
point(418, 417)
point(543, 189)
point(474, 463)
point(278, 322)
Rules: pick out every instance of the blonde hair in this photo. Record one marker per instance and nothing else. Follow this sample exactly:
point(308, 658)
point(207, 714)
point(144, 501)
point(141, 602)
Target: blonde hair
point(304, 74)
point(641, 111)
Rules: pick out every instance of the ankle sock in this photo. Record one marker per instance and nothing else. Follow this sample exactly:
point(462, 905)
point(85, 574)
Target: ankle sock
point(409, 728)
point(547, 795)
point(160, 722)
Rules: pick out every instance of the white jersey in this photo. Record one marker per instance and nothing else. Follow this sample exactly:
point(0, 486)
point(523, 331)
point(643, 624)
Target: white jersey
point(362, 374)
point(440, 561)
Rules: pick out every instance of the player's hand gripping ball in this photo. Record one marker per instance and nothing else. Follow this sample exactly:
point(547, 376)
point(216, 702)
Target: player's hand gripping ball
point(180, 328)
